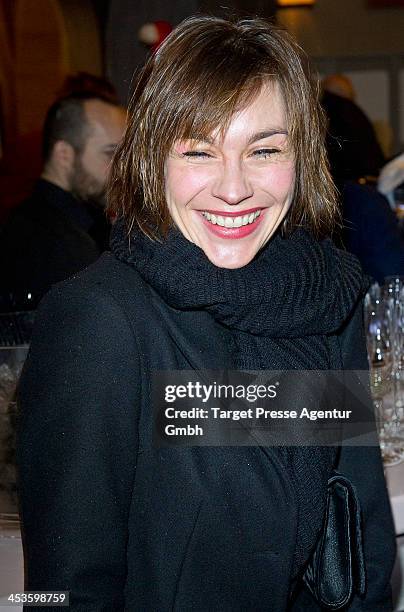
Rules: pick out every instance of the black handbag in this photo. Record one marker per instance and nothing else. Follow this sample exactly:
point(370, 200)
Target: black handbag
point(336, 571)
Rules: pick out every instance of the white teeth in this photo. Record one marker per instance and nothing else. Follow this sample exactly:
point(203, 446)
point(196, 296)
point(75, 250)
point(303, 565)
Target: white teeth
point(229, 222)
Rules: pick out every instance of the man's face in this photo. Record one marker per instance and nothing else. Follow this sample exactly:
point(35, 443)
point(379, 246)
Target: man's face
point(106, 124)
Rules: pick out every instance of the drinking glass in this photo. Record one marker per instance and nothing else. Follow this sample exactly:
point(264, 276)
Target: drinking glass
point(380, 321)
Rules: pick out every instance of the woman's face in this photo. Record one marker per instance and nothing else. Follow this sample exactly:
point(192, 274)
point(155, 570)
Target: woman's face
point(228, 194)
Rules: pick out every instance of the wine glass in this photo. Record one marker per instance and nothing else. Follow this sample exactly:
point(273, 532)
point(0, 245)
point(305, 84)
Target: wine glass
point(378, 317)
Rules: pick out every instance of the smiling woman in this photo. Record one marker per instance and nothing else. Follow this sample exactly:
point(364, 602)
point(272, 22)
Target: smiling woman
point(220, 261)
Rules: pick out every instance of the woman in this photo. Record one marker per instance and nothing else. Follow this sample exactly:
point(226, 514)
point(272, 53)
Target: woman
point(221, 166)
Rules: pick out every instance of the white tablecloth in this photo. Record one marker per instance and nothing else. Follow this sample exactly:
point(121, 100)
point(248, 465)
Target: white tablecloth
point(11, 567)
point(395, 483)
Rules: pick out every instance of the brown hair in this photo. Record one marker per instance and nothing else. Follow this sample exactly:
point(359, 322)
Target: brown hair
point(206, 70)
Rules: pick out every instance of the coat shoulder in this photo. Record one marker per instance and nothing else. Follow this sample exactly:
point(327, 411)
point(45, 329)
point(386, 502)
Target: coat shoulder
point(105, 284)
point(107, 303)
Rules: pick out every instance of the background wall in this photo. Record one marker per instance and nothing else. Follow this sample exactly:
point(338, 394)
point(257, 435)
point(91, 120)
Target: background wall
point(125, 54)
point(346, 27)
point(365, 43)
point(84, 40)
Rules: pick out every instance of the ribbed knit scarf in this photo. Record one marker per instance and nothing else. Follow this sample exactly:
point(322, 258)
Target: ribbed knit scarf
point(283, 309)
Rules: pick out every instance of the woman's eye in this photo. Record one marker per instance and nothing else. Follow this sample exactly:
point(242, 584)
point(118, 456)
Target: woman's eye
point(196, 154)
point(264, 153)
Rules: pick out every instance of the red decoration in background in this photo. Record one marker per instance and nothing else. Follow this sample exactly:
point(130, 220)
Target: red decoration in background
point(153, 34)
point(163, 29)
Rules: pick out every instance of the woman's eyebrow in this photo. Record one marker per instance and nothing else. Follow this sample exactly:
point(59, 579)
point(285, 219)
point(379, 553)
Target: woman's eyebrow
point(266, 134)
point(201, 139)
point(254, 138)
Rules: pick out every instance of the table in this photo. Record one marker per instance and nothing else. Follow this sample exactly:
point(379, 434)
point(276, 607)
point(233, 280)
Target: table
point(12, 566)
point(395, 483)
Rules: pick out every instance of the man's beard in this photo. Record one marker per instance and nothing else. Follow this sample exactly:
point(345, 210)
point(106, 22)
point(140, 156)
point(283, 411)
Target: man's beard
point(84, 186)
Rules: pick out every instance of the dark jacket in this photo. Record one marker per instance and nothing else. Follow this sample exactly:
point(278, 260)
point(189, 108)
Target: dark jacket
point(126, 526)
point(47, 239)
point(371, 231)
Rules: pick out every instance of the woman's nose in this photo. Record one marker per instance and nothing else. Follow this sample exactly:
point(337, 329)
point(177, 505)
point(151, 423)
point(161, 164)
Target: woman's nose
point(232, 185)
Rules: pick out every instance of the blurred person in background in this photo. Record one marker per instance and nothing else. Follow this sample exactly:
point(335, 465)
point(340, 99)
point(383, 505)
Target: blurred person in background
point(61, 228)
point(340, 85)
point(370, 229)
point(391, 178)
point(353, 148)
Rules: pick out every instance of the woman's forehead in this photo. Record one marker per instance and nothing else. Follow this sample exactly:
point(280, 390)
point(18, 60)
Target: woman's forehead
point(261, 115)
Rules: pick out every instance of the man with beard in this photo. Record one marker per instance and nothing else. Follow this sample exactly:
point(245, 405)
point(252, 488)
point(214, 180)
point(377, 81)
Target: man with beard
point(62, 228)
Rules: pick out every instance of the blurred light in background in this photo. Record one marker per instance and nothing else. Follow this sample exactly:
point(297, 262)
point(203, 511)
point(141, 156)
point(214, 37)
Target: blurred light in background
point(285, 3)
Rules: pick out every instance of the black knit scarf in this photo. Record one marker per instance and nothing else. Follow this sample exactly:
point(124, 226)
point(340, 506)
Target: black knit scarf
point(284, 309)
point(281, 307)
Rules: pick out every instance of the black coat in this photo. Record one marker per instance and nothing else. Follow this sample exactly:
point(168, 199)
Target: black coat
point(47, 239)
point(125, 526)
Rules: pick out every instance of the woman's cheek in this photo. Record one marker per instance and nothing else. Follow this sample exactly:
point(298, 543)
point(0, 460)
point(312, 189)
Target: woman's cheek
point(279, 179)
point(189, 182)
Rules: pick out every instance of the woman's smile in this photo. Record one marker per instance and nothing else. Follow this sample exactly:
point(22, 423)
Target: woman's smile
point(232, 225)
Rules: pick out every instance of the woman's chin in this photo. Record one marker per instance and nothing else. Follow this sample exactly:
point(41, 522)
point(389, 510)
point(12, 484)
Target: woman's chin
point(230, 257)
